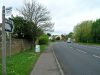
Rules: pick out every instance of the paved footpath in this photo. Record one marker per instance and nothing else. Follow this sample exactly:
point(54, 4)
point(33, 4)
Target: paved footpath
point(46, 65)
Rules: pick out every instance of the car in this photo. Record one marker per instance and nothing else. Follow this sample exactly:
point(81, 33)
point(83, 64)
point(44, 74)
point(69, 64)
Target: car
point(69, 40)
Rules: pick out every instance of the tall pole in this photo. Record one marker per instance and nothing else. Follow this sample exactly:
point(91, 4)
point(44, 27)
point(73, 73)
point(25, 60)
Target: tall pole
point(10, 39)
point(3, 42)
point(10, 42)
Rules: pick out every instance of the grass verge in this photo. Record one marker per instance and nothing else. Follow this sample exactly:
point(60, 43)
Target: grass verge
point(22, 63)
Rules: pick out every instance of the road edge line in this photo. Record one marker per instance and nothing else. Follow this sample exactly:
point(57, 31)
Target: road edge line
point(58, 64)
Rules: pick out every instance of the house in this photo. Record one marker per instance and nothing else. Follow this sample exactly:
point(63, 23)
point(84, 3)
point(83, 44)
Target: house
point(54, 37)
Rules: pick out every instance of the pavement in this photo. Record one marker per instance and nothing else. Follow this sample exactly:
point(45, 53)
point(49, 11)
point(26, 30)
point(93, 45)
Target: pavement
point(46, 64)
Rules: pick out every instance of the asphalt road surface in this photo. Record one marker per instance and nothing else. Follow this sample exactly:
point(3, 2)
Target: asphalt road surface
point(78, 59)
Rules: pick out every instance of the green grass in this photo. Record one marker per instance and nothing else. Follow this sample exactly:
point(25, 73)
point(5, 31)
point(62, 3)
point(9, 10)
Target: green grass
point(22, 63)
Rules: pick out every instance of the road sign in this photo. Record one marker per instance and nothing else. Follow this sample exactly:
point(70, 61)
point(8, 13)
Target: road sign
point(37, 48)
point(8, 10)
point(8, 25)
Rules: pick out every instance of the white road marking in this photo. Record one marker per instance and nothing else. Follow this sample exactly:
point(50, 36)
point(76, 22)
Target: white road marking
point(68, 46)
point(58, 64)
point(71, 47)
point(96, 56)
point(81, 51)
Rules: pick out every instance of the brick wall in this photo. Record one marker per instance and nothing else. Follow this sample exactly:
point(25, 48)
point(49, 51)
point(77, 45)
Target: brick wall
point(18, 45)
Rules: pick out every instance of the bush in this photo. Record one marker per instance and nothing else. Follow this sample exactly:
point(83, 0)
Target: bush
point(58, 38)
point(53, 40)
point(43, 40)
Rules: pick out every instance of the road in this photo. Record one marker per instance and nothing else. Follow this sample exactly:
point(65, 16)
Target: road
point(78, 59)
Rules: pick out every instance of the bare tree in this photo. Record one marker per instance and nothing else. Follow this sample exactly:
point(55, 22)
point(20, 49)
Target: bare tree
point(39, 15)
point(35, 12)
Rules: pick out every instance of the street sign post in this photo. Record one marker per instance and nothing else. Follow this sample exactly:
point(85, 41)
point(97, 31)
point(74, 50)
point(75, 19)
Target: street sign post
point(9, 28)
point(8, 11)
point(7, 25)
point(3, 42)
point(37, 48)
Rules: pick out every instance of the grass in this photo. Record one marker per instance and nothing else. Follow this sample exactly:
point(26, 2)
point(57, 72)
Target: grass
point(22, 63)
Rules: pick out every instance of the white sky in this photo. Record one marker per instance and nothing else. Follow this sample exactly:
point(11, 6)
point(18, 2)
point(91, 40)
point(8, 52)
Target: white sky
point(65, 13)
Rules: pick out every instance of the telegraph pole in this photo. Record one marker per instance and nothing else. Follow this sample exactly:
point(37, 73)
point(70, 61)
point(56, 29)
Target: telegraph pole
point(3, 43)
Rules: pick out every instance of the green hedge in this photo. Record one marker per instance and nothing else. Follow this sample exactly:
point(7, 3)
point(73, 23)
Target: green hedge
point(43, 40)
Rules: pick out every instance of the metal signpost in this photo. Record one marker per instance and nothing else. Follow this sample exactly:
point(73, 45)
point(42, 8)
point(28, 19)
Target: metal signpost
point(10, 44)
point(3, 43)
point(9, 28)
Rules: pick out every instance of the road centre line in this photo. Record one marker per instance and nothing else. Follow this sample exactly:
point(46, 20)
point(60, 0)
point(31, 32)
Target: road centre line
point(71, 47)
point(81, 51)
point(96, 56)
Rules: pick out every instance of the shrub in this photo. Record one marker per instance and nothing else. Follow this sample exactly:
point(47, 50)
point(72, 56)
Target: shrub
point(43, 39)
point(57, 38)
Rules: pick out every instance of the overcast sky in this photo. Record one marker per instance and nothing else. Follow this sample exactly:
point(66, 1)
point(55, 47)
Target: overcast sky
point(65, 13)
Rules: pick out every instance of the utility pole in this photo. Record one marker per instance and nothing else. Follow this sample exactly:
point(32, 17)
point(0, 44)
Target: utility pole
point(3, 42)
